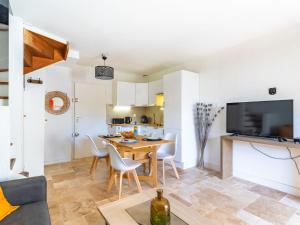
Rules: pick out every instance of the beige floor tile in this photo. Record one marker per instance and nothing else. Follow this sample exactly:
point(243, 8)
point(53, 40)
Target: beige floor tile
point(271, 210)
point(224, 218)
point(251, 219)
point(268, 192)
point(76, 221)
point(292, 201)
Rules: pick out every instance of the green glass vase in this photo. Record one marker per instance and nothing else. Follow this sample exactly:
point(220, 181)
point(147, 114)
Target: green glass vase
point(160, 210)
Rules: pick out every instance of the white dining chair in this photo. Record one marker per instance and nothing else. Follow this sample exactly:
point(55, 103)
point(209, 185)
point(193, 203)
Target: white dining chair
point(122, 165)
point(167, 152)
point(99, 152)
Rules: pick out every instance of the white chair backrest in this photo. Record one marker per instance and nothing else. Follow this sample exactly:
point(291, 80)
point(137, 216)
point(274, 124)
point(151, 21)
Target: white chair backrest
point(116, 160)
point(169, 149)
point(97, 145)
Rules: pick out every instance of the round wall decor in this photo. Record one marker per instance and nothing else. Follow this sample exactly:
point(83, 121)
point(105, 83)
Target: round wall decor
point(57, 102)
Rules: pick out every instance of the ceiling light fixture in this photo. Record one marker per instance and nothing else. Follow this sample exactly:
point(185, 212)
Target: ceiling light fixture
point(104, 72)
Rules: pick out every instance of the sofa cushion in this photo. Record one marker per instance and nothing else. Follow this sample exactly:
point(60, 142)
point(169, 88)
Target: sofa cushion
point(5, 207)
point(30, 214)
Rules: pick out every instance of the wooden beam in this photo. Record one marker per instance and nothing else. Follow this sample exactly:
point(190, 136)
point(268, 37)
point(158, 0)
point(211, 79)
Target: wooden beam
point(3, 70)
point(3, 97)
point(3, 83)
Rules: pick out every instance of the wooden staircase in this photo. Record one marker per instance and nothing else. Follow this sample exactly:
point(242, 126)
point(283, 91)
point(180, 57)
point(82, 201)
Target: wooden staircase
point(41, 51)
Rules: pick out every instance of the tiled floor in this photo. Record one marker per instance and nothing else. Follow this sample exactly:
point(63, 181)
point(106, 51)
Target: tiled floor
point(73, 196)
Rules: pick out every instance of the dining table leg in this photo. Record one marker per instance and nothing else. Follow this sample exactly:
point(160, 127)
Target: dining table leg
point(154, 168)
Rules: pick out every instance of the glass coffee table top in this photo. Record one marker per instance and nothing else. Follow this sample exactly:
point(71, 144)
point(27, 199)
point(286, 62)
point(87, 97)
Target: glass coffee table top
point(141, 214)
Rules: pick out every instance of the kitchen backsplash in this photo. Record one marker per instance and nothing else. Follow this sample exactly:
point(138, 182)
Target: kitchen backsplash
point(152, 112)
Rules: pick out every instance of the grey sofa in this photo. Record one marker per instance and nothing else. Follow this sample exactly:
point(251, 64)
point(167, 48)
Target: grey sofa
point(31, 195)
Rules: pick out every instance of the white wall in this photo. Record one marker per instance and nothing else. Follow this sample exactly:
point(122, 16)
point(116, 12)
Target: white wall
point(244, 73)
point(16, 90)
point(4, 142)
point(59, 128)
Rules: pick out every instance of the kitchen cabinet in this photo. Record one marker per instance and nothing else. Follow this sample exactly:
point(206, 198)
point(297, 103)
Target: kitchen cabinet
point(155, 87)
point(141, 94)
point(123, 93)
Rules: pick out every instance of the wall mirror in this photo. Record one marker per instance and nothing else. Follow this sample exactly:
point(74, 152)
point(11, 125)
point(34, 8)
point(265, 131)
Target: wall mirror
point(57, 102)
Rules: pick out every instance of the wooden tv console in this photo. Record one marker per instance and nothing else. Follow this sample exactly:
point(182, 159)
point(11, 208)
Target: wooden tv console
point(227, 148)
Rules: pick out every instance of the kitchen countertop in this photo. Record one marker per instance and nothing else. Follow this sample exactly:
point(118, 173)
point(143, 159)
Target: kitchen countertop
point(138, 124)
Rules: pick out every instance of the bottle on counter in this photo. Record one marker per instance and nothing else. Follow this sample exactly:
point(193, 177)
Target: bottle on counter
point(135, 130)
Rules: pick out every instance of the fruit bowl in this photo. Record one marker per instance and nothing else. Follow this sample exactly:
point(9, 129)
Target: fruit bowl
point(127, 134)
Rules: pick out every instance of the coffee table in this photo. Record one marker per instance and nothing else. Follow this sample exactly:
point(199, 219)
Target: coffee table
point(118, 212)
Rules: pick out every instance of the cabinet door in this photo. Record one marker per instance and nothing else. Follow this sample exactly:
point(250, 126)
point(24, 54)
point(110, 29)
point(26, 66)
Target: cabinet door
point(141, 94)
point(125, 93)
point(155, 87)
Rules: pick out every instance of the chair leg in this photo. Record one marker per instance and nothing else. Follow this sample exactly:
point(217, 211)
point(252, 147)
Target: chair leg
point(174, 168)
point(164, 178)
point(150, 166)
point(111, 180)
point(93, 164)
point(107, 161)
point(129, 179)
point(120, 184)
point(136, 180)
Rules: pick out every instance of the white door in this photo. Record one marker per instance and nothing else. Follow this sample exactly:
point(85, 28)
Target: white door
point(90, 116)
point(34, 129)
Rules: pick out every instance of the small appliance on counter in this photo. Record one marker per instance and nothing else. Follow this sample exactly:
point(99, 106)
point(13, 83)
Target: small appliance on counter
point(144, 119)
point(128, 119)
point(118, 121)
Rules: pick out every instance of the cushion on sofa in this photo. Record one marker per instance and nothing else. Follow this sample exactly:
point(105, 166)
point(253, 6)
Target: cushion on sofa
point(5, 207)
point(30, 214)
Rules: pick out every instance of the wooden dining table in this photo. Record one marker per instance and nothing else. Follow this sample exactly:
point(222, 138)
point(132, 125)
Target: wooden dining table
point(141, 146)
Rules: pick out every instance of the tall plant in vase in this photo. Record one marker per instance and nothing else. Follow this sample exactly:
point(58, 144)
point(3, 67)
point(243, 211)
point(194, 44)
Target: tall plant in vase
point(206, 115)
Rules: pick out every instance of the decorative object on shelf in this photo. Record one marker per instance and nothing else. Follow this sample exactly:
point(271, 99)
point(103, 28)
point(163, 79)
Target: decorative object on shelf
point(205, 115)
point(104, 72)
point(57, 102)
point(160, 210)
point(34, 81)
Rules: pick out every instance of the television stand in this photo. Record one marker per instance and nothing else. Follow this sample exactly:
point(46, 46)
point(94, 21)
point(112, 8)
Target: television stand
point(227, 149)
point(281, 139)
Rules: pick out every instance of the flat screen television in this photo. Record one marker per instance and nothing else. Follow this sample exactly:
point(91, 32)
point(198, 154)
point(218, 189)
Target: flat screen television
point(264, 119)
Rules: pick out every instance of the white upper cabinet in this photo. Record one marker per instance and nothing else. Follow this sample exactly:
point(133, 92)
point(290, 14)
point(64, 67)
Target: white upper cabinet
point(123, 93)
point(141, 94)
point(155, 87)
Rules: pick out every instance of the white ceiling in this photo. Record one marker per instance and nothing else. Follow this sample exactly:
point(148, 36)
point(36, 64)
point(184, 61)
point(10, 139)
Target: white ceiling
point(145, 36)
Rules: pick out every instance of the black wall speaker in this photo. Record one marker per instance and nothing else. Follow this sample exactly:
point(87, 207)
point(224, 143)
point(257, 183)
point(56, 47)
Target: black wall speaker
point(272, 91)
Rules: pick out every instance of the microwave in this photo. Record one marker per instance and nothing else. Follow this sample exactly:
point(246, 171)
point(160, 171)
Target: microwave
point(118, 121)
